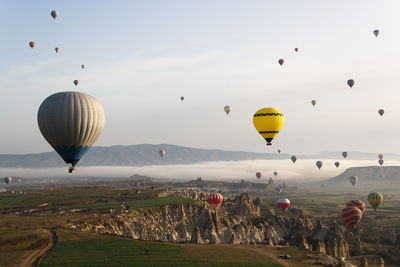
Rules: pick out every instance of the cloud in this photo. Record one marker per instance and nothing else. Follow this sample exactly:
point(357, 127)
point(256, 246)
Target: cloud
point(302, 171)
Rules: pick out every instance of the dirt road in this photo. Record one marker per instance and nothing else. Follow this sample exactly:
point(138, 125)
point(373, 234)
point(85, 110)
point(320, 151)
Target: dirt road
point(34, 257)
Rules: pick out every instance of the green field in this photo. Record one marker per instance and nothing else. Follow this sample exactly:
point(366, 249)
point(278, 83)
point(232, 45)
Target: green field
point(83, 249)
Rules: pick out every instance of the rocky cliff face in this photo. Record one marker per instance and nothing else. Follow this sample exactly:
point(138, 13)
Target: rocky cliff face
point(237, 221)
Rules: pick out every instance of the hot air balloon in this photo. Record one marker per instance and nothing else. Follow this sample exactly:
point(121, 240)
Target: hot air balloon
point(278, 190)
point(381, 111)
point(57, 49)
point(353, 180)
point(376, 33)
point(351, 216)
point(76, 82)
point(32, 44)
point(296, 49)
point(350, 83)
point(283, 204)
point(8, 180)
point(380, 162)
point(258, 175)
point(54, 14)
point(275, 173)
point(162, 153)
point(227, 109)
point(313, 102)
point(82, 66)
point(375, 199)
point(182, 98)
point(319, 164)
point(293, 158)
point(279, 151)
point(71, 170)
point(268, 122)
point(358, 204)
point(344, 154)
point(380, 156)
point(337, 164)
point(323, 185)
point(215, 199)
point(71, 122)
point(281, 61)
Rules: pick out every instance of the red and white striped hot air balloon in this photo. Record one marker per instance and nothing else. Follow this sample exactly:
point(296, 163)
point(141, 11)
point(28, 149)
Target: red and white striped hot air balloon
point(283, 204)
point(215, 199)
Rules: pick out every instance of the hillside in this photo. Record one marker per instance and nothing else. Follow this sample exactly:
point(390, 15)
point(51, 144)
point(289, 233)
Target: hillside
point(368, 176)
point(148, 154)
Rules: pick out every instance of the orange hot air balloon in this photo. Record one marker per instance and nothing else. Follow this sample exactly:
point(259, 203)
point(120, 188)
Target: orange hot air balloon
point(215, 199)
point(351, 216)
point(258, 175)
point(357, 203)
point(281, 61)
point(32, 44)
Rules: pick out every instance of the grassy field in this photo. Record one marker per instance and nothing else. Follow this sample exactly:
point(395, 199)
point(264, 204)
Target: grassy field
point(83, 249)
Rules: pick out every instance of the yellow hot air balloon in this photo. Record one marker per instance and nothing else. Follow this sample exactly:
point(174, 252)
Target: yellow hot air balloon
point(375, 199)
point(268, 122)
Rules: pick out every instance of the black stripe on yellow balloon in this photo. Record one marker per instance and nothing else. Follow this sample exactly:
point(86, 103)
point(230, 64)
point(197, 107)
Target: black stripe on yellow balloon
point(265, 132)
point(267, 114)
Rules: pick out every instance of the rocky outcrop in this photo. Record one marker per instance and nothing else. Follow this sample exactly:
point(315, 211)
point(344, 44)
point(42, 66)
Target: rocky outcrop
point(237, 221)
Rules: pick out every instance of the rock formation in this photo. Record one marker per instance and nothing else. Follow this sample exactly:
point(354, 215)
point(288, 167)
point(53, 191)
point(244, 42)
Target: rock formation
point(237, 221)
point(364, 262)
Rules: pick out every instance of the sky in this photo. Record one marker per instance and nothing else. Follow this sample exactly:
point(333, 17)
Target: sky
point(142, 56)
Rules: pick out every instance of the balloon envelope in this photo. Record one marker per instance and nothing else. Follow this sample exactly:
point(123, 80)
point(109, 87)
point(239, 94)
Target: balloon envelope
point(76, 82)
point(57, 49)
point(268, 122)
point(350, 83)
point(344, 154)
point(381, 111)
point(275, 173)
point(8, 180)
point(313, 102)
point(71, 122)
point(293, 158)
point(82, 66)
point(353, 180)
point(162, 153)
point(215, 199)
point(281, 61)
point(32, 44)
point(380, 156)
point(227, 109)
point(319, 164)
point(376, 33)
point(54, 14)
point(337, 164)
point(375, 199)
point(296, 49)
point(380, 162)
point(351, 216)
point(358, 204)
point(283, 204)
point(258, 175)
point(182, 98)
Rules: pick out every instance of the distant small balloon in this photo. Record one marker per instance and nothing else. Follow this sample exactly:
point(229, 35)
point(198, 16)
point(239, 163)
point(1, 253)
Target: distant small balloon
point(353, 180)
point(182, 98)
point(293, 158)
point(313, 102)
point(76, 82)
point(281, 61)
point(279, 151)
point(319, 164)
point(296, 49)
point(337, 164)
point(344, 154)
point(350, 83)
point(283, 204)
point(275, 173)
point(376, 33)
point(57, 49)
point(162, 153)
point(227, 109)
point(54, 14)
point(380, 156)
point(258, 175)
point(82, 66)
point(32, 44)
point(381, 112)
point(380, 162)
